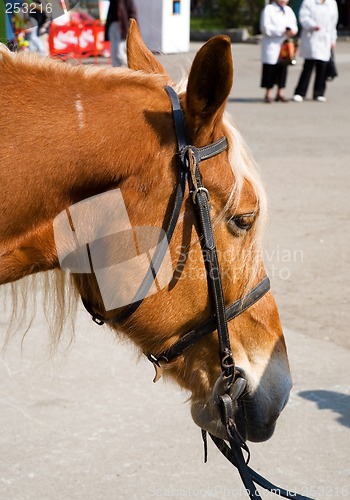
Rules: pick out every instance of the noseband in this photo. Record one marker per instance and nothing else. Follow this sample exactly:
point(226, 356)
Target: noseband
point(232, 379)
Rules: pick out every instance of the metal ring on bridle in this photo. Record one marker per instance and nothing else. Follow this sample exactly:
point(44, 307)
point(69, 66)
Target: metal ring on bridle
point(228, 365)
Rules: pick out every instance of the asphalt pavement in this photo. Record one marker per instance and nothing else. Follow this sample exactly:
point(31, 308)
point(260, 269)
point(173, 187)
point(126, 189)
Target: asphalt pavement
point(86, 423)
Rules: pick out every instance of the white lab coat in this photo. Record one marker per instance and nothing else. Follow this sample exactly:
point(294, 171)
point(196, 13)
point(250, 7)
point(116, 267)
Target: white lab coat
point(317, 44)
point(273, 24)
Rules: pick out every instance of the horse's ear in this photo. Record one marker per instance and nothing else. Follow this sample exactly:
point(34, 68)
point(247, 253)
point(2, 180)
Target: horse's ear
point(140, 58)
point(209, 83)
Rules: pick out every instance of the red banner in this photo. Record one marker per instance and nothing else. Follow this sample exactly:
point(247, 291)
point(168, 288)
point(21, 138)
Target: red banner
point(78, 40)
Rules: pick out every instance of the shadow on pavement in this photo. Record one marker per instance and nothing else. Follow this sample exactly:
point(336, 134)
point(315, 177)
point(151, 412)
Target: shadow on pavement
point(246, 99)
point(331, 400)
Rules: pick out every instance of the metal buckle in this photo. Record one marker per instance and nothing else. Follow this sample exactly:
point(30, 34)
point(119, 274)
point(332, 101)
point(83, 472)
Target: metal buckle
point(158, 369)
point(98, 321)
point(198, 190)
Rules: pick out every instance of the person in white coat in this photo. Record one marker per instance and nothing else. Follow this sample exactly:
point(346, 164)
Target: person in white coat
point(318, 19)
point(277, 22)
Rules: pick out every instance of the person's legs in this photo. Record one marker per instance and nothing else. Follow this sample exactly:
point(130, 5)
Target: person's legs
point(281, 78)
point(35, 44)
point(268, 80)
point(304, 79)
point(121, 53)
point(320, 80)
point(118, 47)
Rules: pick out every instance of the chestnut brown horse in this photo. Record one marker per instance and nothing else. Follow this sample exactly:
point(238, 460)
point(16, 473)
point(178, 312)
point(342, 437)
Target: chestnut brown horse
point(72, 133)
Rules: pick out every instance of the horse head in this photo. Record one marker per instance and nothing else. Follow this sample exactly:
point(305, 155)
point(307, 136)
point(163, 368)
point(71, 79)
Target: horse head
point(238, 212)
point(120, 140)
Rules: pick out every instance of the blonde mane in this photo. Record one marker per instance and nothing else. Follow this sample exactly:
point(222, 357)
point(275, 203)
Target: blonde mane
point(52, 290)
point(245, 168)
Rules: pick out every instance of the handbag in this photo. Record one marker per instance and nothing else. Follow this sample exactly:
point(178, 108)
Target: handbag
point(331, 70)
point(287, 52)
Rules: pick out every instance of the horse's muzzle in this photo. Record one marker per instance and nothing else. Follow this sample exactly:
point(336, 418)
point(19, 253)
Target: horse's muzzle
point(254, 418)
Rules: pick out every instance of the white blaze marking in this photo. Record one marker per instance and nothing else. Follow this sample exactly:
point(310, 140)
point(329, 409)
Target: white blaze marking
point(80, 112)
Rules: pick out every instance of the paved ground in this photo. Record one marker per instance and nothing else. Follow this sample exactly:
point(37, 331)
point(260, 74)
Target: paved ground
point(72, 426)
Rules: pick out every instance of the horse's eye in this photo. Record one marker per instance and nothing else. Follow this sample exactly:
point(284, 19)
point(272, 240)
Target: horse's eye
point(241, 222)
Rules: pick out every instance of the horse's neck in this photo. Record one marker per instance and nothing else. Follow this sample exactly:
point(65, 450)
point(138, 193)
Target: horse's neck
point(79, 146)
point(77, 149)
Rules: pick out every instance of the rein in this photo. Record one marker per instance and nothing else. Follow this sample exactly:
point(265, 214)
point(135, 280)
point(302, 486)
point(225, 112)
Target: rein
point(231, 378)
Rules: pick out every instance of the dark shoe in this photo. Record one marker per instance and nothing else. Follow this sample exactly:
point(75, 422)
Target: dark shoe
point(280, 98)
point(268, 99)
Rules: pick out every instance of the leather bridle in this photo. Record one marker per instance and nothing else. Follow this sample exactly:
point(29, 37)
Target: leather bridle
point(231, 378)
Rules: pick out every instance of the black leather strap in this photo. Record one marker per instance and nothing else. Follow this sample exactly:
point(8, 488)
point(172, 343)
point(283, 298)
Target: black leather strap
point(236, 450)
point(190, 158)
point(96, 318)
point(180, 129)
point(179, 197)
point(202, 153)
point(158, 257)
point(231, 454)
point(201, 200)
point(232, 311)
point(213, 149)
point(205, 152)
point(235, 455)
